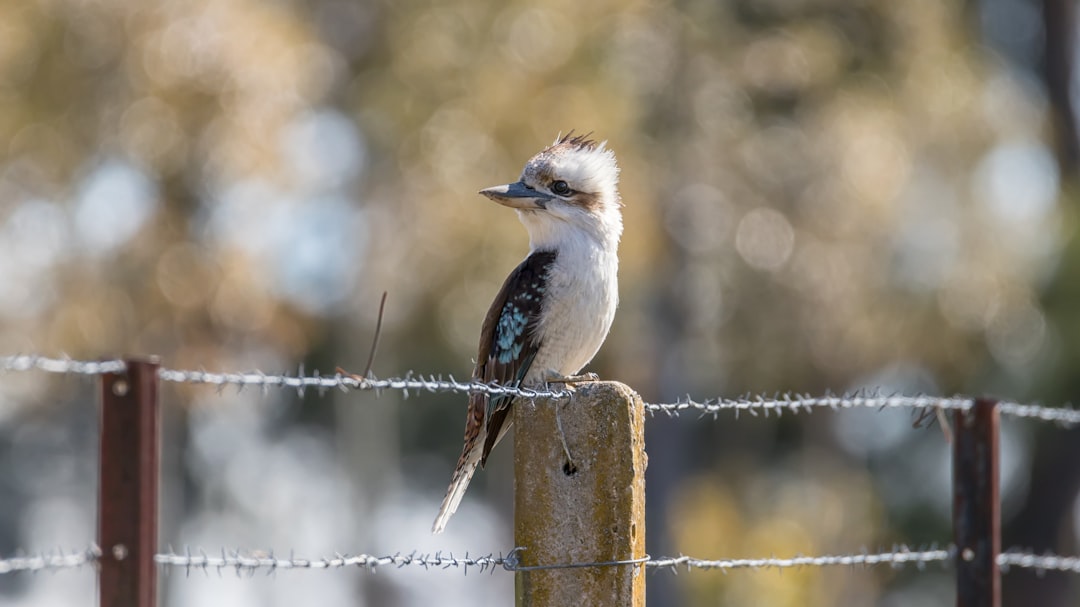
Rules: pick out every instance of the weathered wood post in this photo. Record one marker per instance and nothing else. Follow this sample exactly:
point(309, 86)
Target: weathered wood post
point(590, 510)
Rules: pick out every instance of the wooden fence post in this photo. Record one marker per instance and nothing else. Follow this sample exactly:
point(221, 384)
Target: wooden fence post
point(976, 507)
point(128, 486)
point(591, 510)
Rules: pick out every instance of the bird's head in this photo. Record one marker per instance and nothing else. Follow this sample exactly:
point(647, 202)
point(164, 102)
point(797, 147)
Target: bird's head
point(567, 190)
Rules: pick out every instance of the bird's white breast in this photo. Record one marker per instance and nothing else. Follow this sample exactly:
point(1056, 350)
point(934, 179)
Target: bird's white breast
point(579, 306)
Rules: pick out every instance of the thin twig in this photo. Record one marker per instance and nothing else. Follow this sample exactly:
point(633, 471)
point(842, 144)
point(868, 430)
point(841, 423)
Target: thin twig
point(375, 340)
point(374, 346)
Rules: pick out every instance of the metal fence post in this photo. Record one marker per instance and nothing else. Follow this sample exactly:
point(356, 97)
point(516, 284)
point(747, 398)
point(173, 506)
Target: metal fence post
point(588, 510)
point(976, 507)
point(127, 502)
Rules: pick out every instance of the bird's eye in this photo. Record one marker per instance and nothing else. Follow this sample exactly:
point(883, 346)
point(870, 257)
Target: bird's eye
point(561, 188)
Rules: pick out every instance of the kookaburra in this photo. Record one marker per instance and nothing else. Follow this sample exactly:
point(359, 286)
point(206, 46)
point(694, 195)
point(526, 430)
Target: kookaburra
point(555, 309)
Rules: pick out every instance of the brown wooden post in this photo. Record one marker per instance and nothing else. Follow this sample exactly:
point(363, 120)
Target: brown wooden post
point(127, 502)
point(976, 506)
point(589, 511)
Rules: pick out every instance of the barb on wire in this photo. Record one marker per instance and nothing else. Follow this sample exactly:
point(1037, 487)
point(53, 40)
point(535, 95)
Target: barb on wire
point(50, 561)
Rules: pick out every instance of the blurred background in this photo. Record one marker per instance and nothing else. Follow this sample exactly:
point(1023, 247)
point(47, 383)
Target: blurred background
point(820, 195)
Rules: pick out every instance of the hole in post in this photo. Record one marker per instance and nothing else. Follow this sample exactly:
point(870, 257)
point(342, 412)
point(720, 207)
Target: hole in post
point(569, 469)
point(120, 387)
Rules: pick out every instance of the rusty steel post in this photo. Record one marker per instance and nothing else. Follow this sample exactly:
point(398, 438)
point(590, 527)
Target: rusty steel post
point(128, 489)
point(976, 505)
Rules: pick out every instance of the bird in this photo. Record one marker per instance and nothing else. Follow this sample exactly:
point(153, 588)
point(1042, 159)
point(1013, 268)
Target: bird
point(555, 309)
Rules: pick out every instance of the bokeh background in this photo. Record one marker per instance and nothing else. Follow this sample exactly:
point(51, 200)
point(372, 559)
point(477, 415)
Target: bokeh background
point(820, 195)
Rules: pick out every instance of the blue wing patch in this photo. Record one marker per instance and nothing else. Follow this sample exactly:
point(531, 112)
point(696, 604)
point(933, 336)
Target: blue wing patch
point(509, 339)
point(510, 334)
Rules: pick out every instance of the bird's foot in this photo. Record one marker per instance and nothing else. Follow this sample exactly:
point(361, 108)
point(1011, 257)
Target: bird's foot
point(554, 377)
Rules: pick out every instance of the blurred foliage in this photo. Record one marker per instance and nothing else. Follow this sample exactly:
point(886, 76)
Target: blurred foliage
point(820, 194)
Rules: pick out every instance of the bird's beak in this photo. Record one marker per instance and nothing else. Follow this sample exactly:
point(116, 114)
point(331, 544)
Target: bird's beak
point(517, 196)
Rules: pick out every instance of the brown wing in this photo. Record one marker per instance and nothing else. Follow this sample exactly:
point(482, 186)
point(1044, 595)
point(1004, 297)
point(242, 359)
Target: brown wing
point(508, 345)
point(509, 342)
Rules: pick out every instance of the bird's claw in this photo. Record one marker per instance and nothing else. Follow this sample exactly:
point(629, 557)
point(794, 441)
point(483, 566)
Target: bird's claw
point(569, 381)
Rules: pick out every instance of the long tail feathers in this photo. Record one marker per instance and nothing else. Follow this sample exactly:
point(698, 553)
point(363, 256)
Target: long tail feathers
point(458, 484)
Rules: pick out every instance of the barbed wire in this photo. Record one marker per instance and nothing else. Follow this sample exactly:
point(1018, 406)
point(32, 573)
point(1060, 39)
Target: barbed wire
point(251, 561)
point(1065, 416)
point(67, 366)
point(898, 557)
point(755, 405)
point(50, 561)
point(1046, 562)
point(410, 383)
point(778, 405)
point(243, 562)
